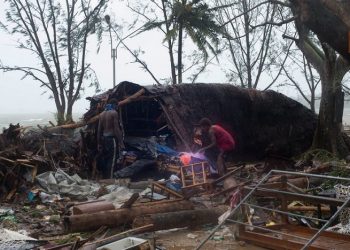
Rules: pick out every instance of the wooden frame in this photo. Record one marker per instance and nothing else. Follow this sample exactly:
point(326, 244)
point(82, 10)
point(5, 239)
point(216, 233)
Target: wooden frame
point(203, 172)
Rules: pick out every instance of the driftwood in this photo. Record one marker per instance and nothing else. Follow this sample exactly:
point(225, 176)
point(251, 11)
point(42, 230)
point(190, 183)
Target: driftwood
point(179, 219)
point(114, 218)
point(92, 207)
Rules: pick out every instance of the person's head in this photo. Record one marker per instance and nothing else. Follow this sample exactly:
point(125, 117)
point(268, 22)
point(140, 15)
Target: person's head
point(205, 124)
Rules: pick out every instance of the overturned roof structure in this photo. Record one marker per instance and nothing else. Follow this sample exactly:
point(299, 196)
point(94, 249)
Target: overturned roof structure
point(260, 120)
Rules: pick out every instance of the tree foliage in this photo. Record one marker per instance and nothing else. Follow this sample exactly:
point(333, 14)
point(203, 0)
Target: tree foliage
point(196, 19)
point(56, 33)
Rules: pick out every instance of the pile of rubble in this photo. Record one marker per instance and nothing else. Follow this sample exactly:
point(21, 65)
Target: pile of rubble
point(251, 203)
point(52, 196)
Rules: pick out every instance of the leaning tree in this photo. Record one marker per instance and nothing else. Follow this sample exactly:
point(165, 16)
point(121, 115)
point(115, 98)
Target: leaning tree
point(56, 33)
point(322, 27)
point(326, 19)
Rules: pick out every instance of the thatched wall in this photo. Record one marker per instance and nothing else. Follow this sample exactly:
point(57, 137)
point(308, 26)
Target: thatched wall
point(261, 121)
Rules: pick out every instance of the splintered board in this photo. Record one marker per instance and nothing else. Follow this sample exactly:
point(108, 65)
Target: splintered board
point(326, 241)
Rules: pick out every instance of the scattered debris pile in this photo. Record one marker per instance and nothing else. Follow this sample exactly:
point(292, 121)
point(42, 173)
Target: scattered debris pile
point(52, 196)
point(257, 206)
point(29, 152)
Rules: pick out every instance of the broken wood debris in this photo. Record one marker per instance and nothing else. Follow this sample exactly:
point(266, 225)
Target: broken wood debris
point(286, 234)
point(172, 212)
point(114, 218)
point(179, 219)
point(92, 207)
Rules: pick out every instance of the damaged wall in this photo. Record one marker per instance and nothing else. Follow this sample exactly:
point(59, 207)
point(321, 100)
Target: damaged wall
point(262, 121)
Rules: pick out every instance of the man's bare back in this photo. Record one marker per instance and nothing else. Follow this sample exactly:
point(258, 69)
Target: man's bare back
point(109, 126)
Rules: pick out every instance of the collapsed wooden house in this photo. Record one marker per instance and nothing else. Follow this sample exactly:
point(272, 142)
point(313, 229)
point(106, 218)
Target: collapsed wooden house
point(262, 121)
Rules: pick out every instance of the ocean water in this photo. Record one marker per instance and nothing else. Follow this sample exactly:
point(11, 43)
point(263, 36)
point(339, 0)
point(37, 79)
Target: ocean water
point(33, 119)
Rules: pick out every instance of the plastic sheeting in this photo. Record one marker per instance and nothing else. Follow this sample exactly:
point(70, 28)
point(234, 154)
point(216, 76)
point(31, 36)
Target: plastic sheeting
point(11, 240)
point(60, 182)
point(118, 195)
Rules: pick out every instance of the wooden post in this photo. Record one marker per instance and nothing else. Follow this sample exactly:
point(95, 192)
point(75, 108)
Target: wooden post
point(193, 175)
point(169, 191)
point(152, 191)
point(114, 218)
point(284, 204)
point(179, 219)
point(183, 177)
point(93, 207)
point(203, 171)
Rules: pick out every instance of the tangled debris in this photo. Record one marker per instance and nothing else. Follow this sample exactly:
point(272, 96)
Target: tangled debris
point(51, 191)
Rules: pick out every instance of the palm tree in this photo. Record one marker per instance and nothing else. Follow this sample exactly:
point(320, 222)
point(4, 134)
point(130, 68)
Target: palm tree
point(195, 18)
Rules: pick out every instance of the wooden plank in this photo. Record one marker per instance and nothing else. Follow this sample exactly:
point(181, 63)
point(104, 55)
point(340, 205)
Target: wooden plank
point(168, 190)
point(131, 200)
point(269, 242)
point(298, 197)
point(193, 176)
point(173, 125)
point(183, 177)
point(327, 240)
point(179, 219)
point(119, 236)
point(8, 160)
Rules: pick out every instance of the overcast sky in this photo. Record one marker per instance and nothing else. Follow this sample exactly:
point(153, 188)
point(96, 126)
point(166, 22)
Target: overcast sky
point(19, 95)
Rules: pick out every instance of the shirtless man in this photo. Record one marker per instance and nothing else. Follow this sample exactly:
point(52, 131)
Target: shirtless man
point(108, 138)
point(220, 142)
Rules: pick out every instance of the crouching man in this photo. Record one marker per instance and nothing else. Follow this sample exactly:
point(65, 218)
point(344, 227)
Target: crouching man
point(109, 139)
point(220, 142)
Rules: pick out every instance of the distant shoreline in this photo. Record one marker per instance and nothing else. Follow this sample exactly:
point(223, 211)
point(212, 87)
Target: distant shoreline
point(31, 119)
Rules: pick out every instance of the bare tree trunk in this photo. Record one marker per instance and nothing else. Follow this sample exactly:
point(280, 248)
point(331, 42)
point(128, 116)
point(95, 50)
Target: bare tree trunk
point(312, 101)
point(247, 40)
point(60, 115)
point(179, 54)
point(170, 45)
point(69, 114)
point(328, 133)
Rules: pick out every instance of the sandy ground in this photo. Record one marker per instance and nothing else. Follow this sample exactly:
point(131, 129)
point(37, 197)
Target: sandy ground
point(185, 239)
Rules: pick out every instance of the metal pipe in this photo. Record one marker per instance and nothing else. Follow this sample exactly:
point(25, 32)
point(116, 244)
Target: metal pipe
point(346, 203)
point(233, 211)
point(321, 198)
point(310, 175)
point(268, 230)
point(286, 213)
